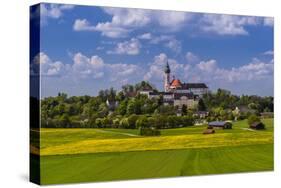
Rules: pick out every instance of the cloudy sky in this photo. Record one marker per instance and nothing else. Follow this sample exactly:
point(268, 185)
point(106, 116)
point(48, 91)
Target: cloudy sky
point(84, 49)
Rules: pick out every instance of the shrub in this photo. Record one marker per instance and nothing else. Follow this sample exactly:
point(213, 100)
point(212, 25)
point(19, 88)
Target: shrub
point(151, 122)
point(171, 121)
point(98, 122)
point(115, 122)
point(230, 116)
point(107, 122)
point(242, 116)
point(151, 131)
point(75, 124)
point(252, 119)
point(187, 121)
point(124, 123)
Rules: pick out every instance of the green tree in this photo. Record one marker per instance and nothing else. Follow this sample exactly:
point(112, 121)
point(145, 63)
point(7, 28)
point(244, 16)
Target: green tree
point(103, 110)
point(266, 109)
point(142, 122)
point(134, 107)
point(184, 109)
point(166, 110)
point(201, 105)
point(120, 96)
point(253, 118)
point(122, 108)
point(62, 97)
point(252, 106)
point(132, 121)
point(64, 121)
point(102, 95)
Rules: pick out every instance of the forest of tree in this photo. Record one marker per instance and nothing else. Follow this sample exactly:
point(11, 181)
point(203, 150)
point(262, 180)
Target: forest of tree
point(221, 105)
point(135, 110)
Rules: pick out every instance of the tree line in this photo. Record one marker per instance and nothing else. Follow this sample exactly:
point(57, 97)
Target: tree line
point(222, 105)
point(128, 109)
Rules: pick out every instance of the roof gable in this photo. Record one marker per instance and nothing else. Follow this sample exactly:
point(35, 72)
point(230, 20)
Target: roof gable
point(193, 85)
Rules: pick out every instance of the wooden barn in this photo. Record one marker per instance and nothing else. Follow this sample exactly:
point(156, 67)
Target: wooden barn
point(220, 124)
point(257, 126)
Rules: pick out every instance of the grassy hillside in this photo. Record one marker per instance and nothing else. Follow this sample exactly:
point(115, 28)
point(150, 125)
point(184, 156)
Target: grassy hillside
point(153, 164)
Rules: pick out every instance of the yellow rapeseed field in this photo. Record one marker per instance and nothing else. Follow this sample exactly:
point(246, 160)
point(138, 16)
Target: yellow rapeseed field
point(159, 143)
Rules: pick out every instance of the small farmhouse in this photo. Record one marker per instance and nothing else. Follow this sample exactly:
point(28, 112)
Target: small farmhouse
point(257, 126)
point(220, 124)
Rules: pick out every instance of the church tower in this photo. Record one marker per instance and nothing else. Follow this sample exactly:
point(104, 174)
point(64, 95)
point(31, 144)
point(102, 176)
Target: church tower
point(167, 77)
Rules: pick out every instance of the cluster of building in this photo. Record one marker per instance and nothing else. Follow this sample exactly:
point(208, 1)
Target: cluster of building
point(178, 93)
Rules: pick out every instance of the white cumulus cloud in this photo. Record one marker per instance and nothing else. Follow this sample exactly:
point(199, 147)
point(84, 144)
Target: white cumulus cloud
point(82, 66)
point(106, 29)
point(131, 47)
point(124, 21)
point(191, 57)
point(174, 45)
point(95, 67)
point(168, 41)
point(209, 71)
point(85, 66)
point(82, 25)
point(53, 11)
point(46, 67)
point(227, 24)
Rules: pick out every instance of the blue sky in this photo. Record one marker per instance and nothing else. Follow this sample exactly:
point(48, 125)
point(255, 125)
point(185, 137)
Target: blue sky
point(85, 49)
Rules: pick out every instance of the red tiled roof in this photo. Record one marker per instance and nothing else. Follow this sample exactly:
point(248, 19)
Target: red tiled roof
point(176, 83)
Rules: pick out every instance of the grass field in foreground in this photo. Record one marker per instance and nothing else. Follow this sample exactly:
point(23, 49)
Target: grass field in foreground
point(153, 164)
point(82, 155)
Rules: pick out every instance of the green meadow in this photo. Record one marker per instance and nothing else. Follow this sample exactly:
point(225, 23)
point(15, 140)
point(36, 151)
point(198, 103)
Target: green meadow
point(79, 155)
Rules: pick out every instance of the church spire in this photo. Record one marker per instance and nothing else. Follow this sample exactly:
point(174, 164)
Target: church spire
point(167, 77)
point(167, 68)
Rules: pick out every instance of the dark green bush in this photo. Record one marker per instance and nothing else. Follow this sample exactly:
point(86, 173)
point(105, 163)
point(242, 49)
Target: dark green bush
point(149, 131)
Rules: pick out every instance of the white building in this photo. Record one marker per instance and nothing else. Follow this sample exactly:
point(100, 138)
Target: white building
point(177, 93)
point(178, 87)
